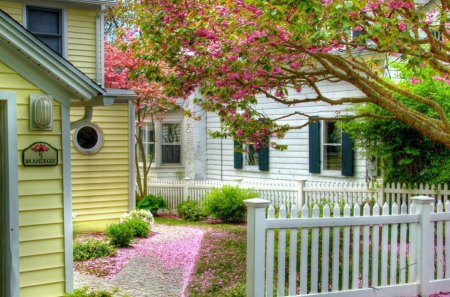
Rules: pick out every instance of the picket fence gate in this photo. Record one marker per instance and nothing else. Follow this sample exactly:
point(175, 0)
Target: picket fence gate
point(298, 192)
point(397, 250)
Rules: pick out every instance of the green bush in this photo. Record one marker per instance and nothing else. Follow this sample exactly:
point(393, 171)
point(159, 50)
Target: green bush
point(227, 203)
point(190, 211)
point(92, 249)
point(138, 227)
point(152, 203)
point(86, 292)
point(120, 235)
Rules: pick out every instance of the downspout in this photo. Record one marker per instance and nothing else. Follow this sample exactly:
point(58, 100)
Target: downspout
point(100, 28)
point(85, 120)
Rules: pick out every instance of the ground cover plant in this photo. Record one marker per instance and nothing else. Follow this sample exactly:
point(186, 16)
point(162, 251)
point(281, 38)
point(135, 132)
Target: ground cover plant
point(92, 249)
point(86, 292)
point(152, 203)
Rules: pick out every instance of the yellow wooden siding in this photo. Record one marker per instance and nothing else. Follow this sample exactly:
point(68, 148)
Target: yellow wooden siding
point(13, 8)
point(81, 39)
point(100, 182)
point(41, 212)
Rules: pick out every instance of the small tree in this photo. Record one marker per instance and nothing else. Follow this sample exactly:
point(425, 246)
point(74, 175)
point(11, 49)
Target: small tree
point(404, 154)
point(122, 71)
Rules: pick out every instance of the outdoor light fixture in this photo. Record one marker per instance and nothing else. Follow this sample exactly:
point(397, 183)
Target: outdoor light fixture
point(41, 112)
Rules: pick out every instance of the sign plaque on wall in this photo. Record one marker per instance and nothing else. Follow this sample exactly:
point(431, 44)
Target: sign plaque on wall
point(40, 154)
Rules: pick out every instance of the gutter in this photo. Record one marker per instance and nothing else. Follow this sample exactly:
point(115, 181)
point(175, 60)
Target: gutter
point(85, 120)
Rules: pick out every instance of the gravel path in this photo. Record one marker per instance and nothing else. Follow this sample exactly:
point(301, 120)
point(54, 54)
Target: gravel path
point(160, 267)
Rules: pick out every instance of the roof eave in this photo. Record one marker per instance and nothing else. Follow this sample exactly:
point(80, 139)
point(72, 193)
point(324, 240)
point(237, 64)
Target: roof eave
point(70, 76)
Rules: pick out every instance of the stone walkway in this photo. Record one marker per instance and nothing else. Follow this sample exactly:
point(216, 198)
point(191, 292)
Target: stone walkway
point(161, 268)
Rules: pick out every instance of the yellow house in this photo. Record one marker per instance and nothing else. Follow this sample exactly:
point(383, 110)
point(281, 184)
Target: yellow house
point(51, 77)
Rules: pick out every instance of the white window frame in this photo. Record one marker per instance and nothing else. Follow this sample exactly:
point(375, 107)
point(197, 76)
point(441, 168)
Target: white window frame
point(97, 147)
point(180, 143)
point(157, 160)
point(245, 154)
point(323, 144)
point(52, 5)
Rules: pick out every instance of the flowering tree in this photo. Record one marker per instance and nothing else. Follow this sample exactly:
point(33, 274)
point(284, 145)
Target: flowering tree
point(122, 71)
point(234, 50)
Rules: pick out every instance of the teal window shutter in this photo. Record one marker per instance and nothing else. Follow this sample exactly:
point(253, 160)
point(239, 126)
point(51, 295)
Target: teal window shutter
point(264, 158)
point(314, 147)
point(347, 155)
point(238, 160)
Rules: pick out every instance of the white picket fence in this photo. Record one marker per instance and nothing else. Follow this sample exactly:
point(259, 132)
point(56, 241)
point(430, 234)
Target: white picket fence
point(380, 251)
point(297, 192)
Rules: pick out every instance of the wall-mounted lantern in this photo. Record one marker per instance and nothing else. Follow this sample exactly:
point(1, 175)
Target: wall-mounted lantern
point(41, 112)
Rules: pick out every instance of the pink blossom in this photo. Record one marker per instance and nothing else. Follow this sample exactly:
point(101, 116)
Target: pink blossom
point(402, 27)
point(239, 133)
point(414, 80)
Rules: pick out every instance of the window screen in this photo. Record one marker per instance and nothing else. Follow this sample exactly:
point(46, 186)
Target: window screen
point(46, 24)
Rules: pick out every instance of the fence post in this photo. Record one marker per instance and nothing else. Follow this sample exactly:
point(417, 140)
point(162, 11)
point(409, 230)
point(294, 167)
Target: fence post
point(301, 193)
point(186, 182)
point(425, 243)
point(379, 182)
point(256, 244)
point(238, 182)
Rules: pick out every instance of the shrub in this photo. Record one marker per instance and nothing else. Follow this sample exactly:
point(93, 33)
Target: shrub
point(152, 203)
point(227, 203)
point(92, 249)
point(144, 215)
point(138, 227)
point(191, 211)
point(120, 235)
point(86, 292)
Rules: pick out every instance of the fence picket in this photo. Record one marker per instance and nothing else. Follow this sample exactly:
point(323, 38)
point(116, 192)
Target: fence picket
point(355, 249)
point(403, 231)
point(366, 243)
point(412, 247)
point(394, 248)
point(336, 242)
point(304, 255)
point(439, 244)
point(346, 252)
point(281, 254)
point(315, 253)
point(375, 247)
point(270, 254)
point(447, 242)
point(384, 247)
point(325, 252)
point(293, 254)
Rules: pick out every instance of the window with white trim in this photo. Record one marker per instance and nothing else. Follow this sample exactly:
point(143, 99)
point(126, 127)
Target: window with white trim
point(331, 146)
point(170, 143)
point(164, 139)
point(148, 140)
point(251, 156)
point(47, 25)
point(88, 139)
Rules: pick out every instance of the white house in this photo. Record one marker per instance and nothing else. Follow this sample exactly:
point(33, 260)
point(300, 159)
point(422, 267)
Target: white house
point(183, 147)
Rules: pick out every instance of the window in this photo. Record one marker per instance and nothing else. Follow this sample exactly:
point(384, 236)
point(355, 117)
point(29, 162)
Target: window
point(330, 150)
point(252, 158)
point(171, 143)
point(46, 24)
point(88, 139)
point(148, 140)
point(164, 141)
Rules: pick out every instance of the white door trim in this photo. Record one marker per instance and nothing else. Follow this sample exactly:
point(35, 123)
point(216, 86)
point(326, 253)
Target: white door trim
point(12, 285)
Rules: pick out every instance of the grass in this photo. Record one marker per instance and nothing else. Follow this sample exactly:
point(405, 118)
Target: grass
point(220, 269)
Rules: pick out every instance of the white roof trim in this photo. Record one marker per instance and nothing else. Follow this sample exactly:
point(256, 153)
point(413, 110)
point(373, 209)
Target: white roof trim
point(92, 2)
point(63, 71)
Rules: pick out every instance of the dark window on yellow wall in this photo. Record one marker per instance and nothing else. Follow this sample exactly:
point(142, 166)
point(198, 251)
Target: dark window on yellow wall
point(46, 24)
